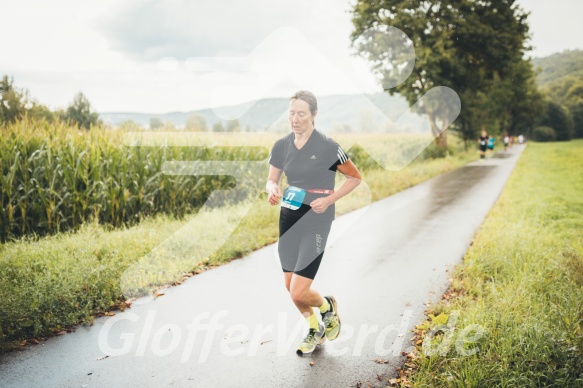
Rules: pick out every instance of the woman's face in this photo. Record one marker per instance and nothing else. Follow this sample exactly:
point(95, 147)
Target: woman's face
point(300, 118)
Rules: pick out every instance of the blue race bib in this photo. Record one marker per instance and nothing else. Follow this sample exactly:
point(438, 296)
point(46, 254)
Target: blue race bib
point(293, 198)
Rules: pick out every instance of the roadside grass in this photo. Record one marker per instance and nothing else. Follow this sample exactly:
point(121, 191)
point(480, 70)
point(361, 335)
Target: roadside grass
point(50, 284)
point(520, 285)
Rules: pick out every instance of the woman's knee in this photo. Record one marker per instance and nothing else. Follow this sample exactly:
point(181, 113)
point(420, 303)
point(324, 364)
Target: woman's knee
point(298, 295)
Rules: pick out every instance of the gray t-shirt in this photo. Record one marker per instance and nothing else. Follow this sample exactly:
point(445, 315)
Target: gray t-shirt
point(311, 167)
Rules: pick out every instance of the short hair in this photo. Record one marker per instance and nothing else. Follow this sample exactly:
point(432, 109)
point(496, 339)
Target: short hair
point(308, 97)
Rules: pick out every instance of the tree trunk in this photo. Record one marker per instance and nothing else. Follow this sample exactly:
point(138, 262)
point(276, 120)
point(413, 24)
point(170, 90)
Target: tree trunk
point(439, 133)
point(441, 140)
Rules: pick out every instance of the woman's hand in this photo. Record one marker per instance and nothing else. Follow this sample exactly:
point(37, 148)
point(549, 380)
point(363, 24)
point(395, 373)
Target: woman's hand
point(319, 205)
point(274, 195)
point(272, 187)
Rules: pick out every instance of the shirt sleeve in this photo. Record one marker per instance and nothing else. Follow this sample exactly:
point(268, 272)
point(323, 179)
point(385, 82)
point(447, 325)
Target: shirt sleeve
point(341, 157)
point(276, 156)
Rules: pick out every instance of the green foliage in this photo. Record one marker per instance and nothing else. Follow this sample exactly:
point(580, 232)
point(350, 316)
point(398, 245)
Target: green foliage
point(156, 123)
point(196, 123)
point(55, 178)
point(218, 127)
point(12, 101)
point(521, 281)
point(556, 67)
point(474, 47)
point(543, 134)
point(561, 78)
point(233, 125)
point(79, 112)
point(558, 118)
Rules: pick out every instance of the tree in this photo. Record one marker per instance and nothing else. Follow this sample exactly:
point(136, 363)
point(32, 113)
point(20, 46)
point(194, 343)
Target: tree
point(155, 123)
point(40, 112)
point(218, 127)
point(568, 91)
point(558, 118)
point(196, 123)
point(79, 112)
point(471, 46)
point(233, 125)
point(12, 101)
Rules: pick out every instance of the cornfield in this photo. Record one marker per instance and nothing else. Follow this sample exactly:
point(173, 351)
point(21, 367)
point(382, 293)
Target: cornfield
point(54, 178)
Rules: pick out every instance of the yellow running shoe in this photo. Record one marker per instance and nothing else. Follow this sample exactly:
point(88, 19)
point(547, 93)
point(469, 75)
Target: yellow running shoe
point(331, 319)
point(312, 339)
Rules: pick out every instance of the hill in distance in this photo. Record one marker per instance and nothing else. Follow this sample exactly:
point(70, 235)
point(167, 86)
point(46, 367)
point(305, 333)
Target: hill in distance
point(557, 66)
point(338, 113)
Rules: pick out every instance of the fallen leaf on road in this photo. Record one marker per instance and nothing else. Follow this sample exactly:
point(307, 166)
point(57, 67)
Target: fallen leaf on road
point(312, 363)
point(158, 293)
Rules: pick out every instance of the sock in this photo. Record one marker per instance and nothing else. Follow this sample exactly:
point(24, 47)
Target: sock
point(325, 306)
point(313, 321)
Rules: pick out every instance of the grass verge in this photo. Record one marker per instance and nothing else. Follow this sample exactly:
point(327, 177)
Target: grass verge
point(519, 291)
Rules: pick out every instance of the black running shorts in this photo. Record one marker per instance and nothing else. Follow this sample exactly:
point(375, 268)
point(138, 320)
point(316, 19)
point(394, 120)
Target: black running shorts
point(302, 240)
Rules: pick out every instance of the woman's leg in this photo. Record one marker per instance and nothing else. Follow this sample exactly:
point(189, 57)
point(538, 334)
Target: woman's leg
point(303, 296)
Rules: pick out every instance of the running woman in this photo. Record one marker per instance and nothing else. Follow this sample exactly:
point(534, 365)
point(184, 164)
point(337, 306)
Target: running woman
point(310, 160)
point(483, 142)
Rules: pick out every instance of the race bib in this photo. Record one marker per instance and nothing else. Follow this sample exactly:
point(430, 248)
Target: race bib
point(293, 198)
point(483, 142)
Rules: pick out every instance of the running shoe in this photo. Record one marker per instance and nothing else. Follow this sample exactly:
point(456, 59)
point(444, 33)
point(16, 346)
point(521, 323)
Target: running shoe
point(331, 319)
point(314, 337)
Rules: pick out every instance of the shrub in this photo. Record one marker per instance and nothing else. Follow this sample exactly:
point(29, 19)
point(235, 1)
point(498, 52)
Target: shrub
point(544, 134)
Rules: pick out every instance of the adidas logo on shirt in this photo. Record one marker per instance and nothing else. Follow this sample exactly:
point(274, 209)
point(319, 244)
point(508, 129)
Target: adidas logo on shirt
point(313, 157)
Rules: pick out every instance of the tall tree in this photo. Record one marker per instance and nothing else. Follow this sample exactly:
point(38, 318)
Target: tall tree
point(471, 46)
point(12, 101)
point(80, 113)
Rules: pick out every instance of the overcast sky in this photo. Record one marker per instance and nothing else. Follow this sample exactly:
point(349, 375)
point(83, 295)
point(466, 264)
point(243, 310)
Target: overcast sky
point(156, 57)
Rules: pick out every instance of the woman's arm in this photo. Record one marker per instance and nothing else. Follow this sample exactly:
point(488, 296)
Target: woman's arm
point(353, 179)
point(272, 185)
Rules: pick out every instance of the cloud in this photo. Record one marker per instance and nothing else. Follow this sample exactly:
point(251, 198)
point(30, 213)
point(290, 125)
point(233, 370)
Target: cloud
point(182, 29)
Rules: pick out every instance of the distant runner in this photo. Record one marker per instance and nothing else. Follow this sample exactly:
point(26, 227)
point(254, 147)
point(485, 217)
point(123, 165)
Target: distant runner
point(483, 143)
point(310, 160)
point(491, 142)
point(506, 141)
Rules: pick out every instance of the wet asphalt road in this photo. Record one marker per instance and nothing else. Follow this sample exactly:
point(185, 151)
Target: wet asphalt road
point(236, 326)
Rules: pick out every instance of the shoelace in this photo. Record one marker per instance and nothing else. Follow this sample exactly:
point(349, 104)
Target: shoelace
point(311, 335)
point(328, 317)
